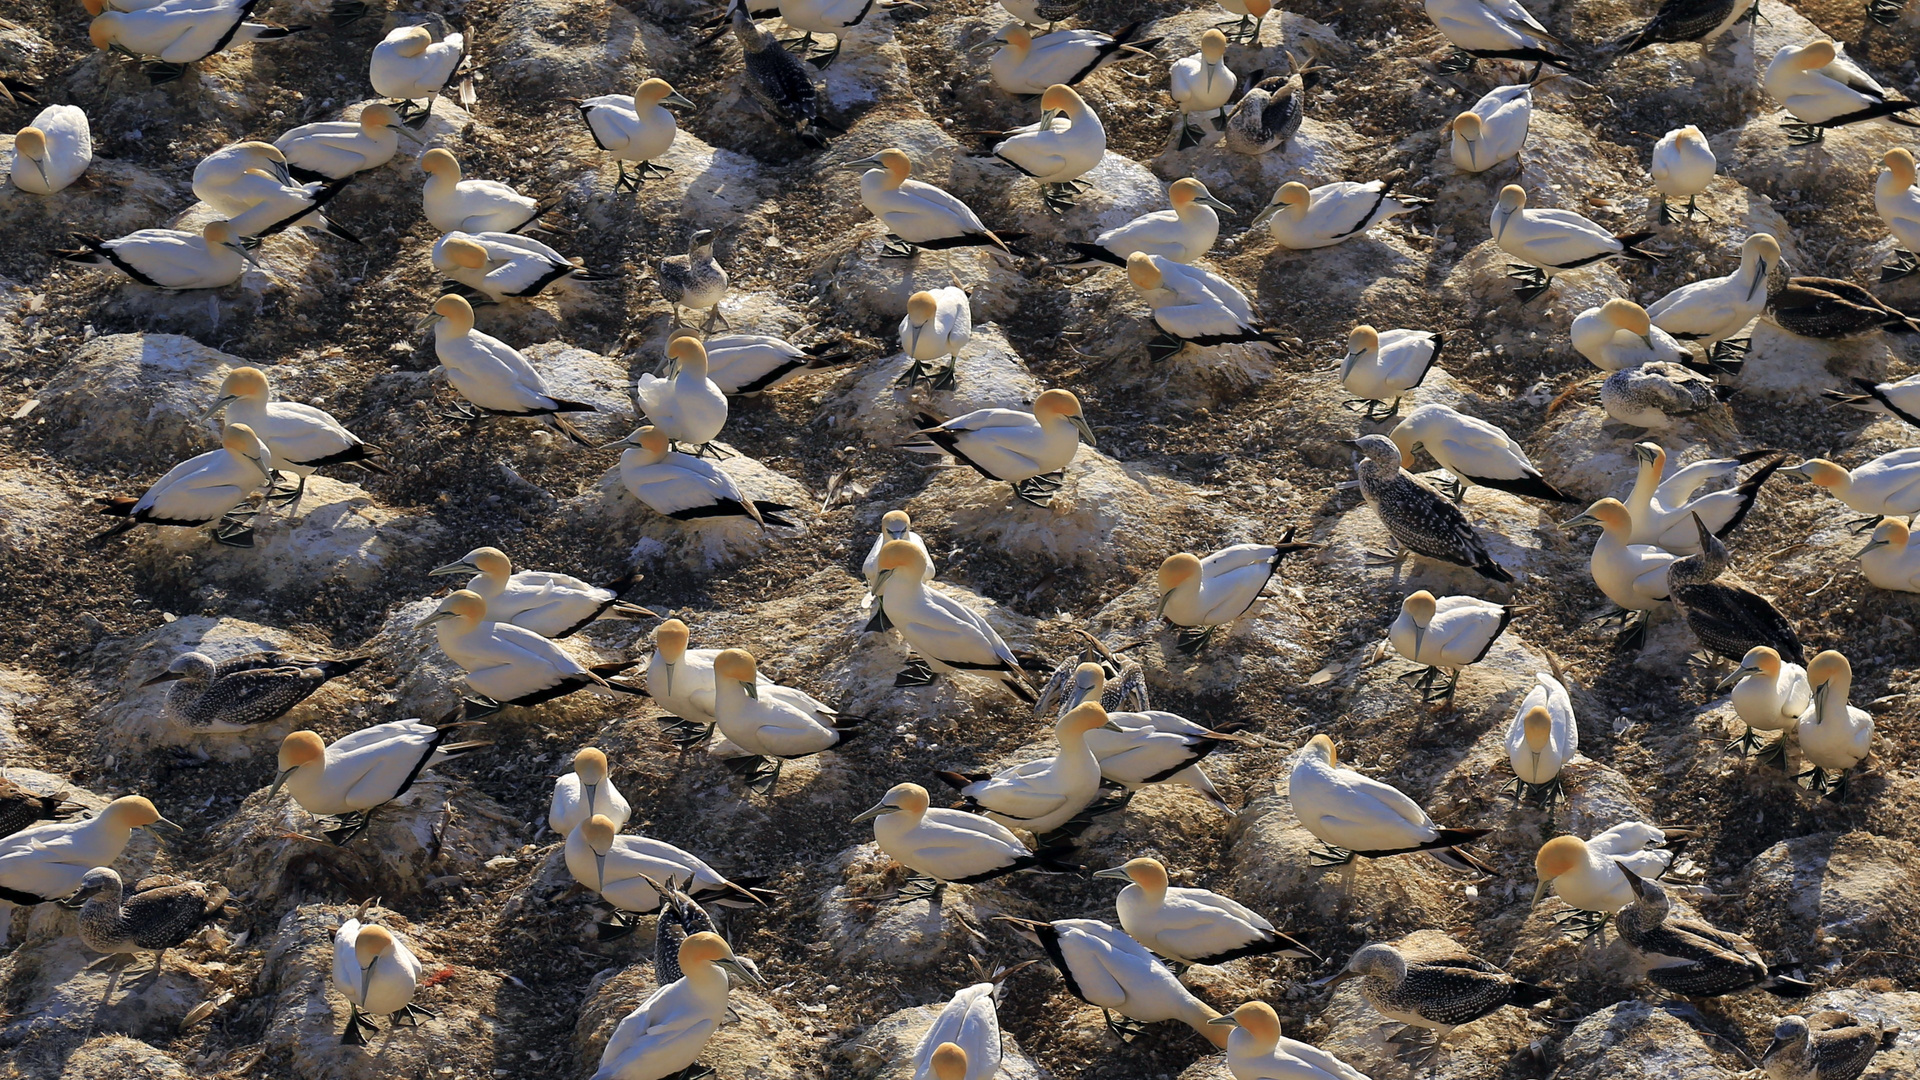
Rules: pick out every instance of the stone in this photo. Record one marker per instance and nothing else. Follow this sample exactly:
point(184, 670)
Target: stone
point(137, 403)
point(1634, 1040)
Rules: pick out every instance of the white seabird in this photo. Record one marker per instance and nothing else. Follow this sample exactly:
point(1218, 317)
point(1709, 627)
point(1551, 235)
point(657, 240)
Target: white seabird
point(47, 862)
point(336, 149)
point(228, 179)
point(623, 870)
point(302, 439)
point(1683, 166)
point(1193, 307)
point(170, 36)
point(1044, 795)
point(635, 128)
point(1477, 453)
point(1492, 30)
point(345, 782)
point(585, 792)
point(1769, 694)
point(377, 973)
point(1201, 84)
point(1158, 747)
point(1662, 509)
point(1822, 88)
point(943, 633)
point(1193, 926)
point(511, 665)
point(1887, 486)
point(201, 491)
point(1451, 634)
point(938, 323)
point(1383, 367)
point(1548, 242)
point(1891, 560)
point(1586, 874)
point(1257, 1051)
point(492, 374)
point(1302, 219)
point(945, 847)
point(501, 265)
point(1543, 737)
point(1713, 310)
point(168, 258)
point(1028, 64)
point(1618, 335)
point(1633, 576)
point(1200, 595)
point(969, 1022)
point(1182, 234)
point(53, 151)
point(665, 1033)
point(894, 525)
point(1252, 16)
point(1103, 966)
point(687, 406)
point(1357, 816)
point(918, 215)
point(747, 365)
point(772, 723)
point(1065, 144)
point(454, 204)
point(687, 488)
point(1898, 202)
point(1834, 735)
point(1494, 130)
point(409, 65)
point(549, 604)
point(1029, 450)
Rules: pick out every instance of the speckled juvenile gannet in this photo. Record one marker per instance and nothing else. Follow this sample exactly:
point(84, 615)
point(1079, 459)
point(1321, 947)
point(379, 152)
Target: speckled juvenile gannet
point(585, 792)
point(1542, 738)
point(492, 374)
point(1181, 234)
point(1887, 486)
point(345, 782)
point(1028, 64)
point(376, 972)
point(1891, 560)
point(1201, 84)
point(1633, 576)
point(158, 914)
point(1066, 144)
point(1030, 450)
point(201, 491)
point(1587, 874)
point(549, 604)
point(1193, 307)
point(687, 406)
point(500, 265)
point(336, 149)
point(47, 862)
point(680, 918)
point(771, 723)
point(1661, 509)
point(454, 204)
point(1477, 453)
point(1713, 310)
point(1769, 694)
point(1548, 242)
point(1095, 675)
point(664, 1035)
point(1494, 130)
point(916, 214)
point(779, 80)
point(1433, 994)
point(169, 37)
point(1834, 735)
point(1618, 335)
point(511, 665)
point(1689, 956)
point(243, 692)
point(943, 633)
point(1380, 368)
point(1356, 816)
point(1450, 634)
point(53, 151)
point(1492, 30)
point(938, 323)
point(695, 280)
point(1269, 113)
point(687, 488)
point(1828, 1045)
point(1683, 166)
point(1832, 309)
point(1822, 88)
point(1301, 219)
point(1687, 20)
point(1654, 394)
point(894, 525)
point(1103, 966)
point(1257, 1051)
point(1898, 202)
point(22, 809)
point(1418, 518)
point(635, 128)
point(409, 65)
point(1193, 926)
point(623, 870)
point(945, 847)
point(1200, 595)
point(302, 438)
point(1045, 795)
point(167, 258)
point(1727, 620)
point(748, 365)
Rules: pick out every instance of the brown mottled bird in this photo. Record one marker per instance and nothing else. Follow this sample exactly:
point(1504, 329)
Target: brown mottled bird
point(20, 808)
point(161, 912)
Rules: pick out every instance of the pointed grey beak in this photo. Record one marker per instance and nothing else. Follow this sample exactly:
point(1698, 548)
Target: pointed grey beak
point(1160, 611)
point(735, 967)
point(277, 781)
point(1638, 886)
point(244, 253)
point(1730, 681)
point(165, 676)
point(162, 824)
point(677, 98)
point(1208, 200)
point(221, 402)
point(1264, 215)
point(438, 616)
point(1872, 544)
point(863, 163)
point(431, 318)
point(1223, 1021)
point(1759, 278)
point(669, 665)
point(453, 568)
point(869, 815)
point(752, 689)
point(1111, 726)
point(1115, 873)
point(1539, 892)
point(1419, 635)
point(407, 135)
point(1578, 521)
point(1086, 432)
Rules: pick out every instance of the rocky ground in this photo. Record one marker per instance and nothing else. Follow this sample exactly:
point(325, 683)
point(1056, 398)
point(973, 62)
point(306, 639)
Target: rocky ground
point(104, 385)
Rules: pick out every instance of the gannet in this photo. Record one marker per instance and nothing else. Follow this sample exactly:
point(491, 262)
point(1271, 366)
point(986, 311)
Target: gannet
point(1382, 367)
point(968, 1022)
point(1030, 450)
point(168, 37)
point(167, 258)
point(1728, 620)
point(1832, 309)
point(1652, 395)
point(225, 179)
point(1890, 560)
point(664, 1034)
point(778, 80)
point(376, 972)
point(635, 128)
point(623, 870)
point(1492, 30)
point(1688, 20)
point(695, 280)
point(1200, 84)
point(1193, 926)
point(1887, 486)
point(1477, 453)
point(409, 65)
point(1028, 64)
point(1542, 738)
point(1898, 202)
point(894, 525)
point(1683, 166)
point(1618, 335)
point(1357, 816)
point(1586, 874)
point(1450, 634)
point(1095, 675)
point(243, 692)
point(686, 407)
point(492, 374)
point(302, 438)
point(1039, 13)
point(1713, 310)
point(549, 604)
point(1252, 16)
point(1103, 966)
point(1418, 518)
point(1828, 1045)
point(1548, 242)
point(22, 809)
point(1045, 795)
point(500, 265)
point(201, 491)
point(687, 488)
point(1066, 144)
point(1822, 88)
point(1181, 234)
point(336, 149)
point(747, 365)
point(945, 634)
point(1633, 576)
point(1494, 130)
point(1660, 508)
point(1769, 694)
point(1689, 956)
point(453, 204)
point(937, 324)
point(1433, 993)
point(47, 862)
point(945, 847)
point(1834, 735)
point(680, 918)
point(771, 723)
point(917, 215)
point(51, 153)
point(159, 913)
point(680, 680)
point(1200, 595)
point(1269, 113)
point(585, 792)
point(1257, 1051)
point(1157, 747)
point(511, 665)
point(1301, 219)
point(1193, 307)
point(274, 206)
point(359, 773)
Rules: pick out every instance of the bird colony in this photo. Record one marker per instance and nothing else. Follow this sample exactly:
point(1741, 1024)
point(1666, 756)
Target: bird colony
point(952, 540)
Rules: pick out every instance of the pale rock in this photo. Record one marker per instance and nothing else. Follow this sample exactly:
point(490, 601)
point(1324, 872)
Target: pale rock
point(560, 48)
point(861, 923)
point(1097, 517)
point(708, 187)
point(988, 374)
point(1122, 189)
point(116, 1057)
point(32, 511)
point(701, 542)
point(1827, 896)
point(1635, 1040)
point(136, 403)
point(579, 375)
point(1786, 367)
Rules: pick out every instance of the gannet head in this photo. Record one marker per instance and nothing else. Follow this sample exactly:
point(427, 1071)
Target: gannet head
point(192, 666)
point(949, 1062)
point(1891, 533)
point(899, 555)
point(670, 643)
point(655, 91)
point(464, 252)
point(452, 309)
point(689, 357)
point(1622, 314)
point(1761, 252)
point(1144, 272)
point(1420, 608)
point(1537, 726)
point(481, 560)
point(239, 440)
point(243, 384)
point(1827, 673)
point(135, 812)
point(1823, 473)
point(103, 30)
point(1404, 440)
point(1256, 1018)
point(1062, 405)
point(1610, 514)
point(707, 947)
point(1259, 8)
point(1513, 198)
point(1019, 42)
point(370, 944)
point(899, 799)
point(410, 41)
point(94, 7)
point(1899, 161)
point(1058, 98)
point(100, 879)
point(1650, 455)
point(1691, 136)
point(598, 832)
point(1293, 198)
point(1213, 46)
point(1467, 128)
point(1760, 660)
point(921, 308)
point(31, 143)
point(1089, 682)
point(739, 666)
point(462, 604)
point(652, 444)
point(1375, 962)
point(896, 524)
point(1176, 571)
point(1790, 1030)
point(1363, 339)
point(1560, 855)
point(1144, 872)
point(1815, 55)
point(1082, 718)
point(297, 750)
point(1647, 893)
point(894, 160)
point(221, 234)
point(1377, 449)
point(378, 117)
point(1320, 746)
point(440, 161)
point(590, 765)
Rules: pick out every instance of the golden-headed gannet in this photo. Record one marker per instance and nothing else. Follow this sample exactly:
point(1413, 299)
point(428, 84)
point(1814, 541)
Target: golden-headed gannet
point(168, 37)
point(1491, 30)
point(969, 1023)
point(1827, 1045)
point(1834, 735)
point(1064, 145)
point(687, 488)
point(945, 634)
point(1040, 13)
point(1433, 993)
point(1887, 486)
point(624, 868)
point(1689, 956)
point(1769, 694)
point(345, 782)
point(549, 604)
point(695, 280)
point(1688, 20)
point(664, 1035)
point(894, 525)
point(302, 438)
point(453, 204)
point(1542, 738)
point(1618, 335)
point(1201, 84)
point(1548, 242)
point(492, 374)
point(1832, 309)
point(1661, 509)
point(47, 862)
point(1269, 113)
point(1199, 595)
point(916, 214)
point(336, 149)
point(771, 723)
point(1654, 394)
point(585, 792)
point(1494, 130)
point(1380, 368)
point(227, 179)
point(376, 972)
point(167, 258)
point(1891, 560)
point(1633, 576)
point(1300, 218)
point(1683, 166)
point(687, 407)
point(938, 324)
point(1728, 620)
point(1181, 234)
point(944, 847)
point(201, 491)
point(1822, 88)
point(1028, 64)
point(1448, 634)
point(409, 65)
point(1030, 450)
point(1044, 795)
point(1477, 453)
point(1713, 310)
point(747, 365)
point(1257, 1051)
point(243, 692)
point(159, 913)
point(22, 809)
point(1095, 675)
point(1103, 966)
point(1157, 747)
point(1193, 307)
point(499, 265)
point(1419, 519)
point(57, 147)
point(1587, 875)
point(1193, 926)
point(635, 128)
point(781, 82)
point(1357, 816)
point(511, 665)
point(1898, 202)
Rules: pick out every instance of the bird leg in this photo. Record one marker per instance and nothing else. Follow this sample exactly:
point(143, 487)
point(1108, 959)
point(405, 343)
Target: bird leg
point(916, 673)
point(626, 182)
point(1189, 640)
point(1164, 347)
point(1379, 558)
point(1059, 198)
point(685, 734)
point(1581, 925)
point(1746, 744)
point(358, 1025)
point(1328, 855)
point(916, 371)
point(1419, 1046)
point(1816, 780)
point(345, 828)
point(1904, 262)
point(1885, 12)
point(462, 411)
point(1532, 281)
point(945, 378)
point(289, 500)
point(760, 773)
point(1241, 29)
point(896, 248)
point(1633, 632)
point(695, 1071)
point(1453, 489)
point(1802, 134)
point(1837, 787)
point(1864, 524)
point(617, 926)
point(1375, 409)
point(1189, 134)
point(1125, 1029)
point(1461, 61)
point(234, 531)
point(1773, 753)
point(410, 1015)
point(1038, 490)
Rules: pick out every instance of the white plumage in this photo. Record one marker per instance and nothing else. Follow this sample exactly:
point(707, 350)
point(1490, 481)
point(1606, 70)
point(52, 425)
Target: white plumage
point(946, 634)
point(508, 663)
point(489, 372)
point(1769, 693)
point(1257, 1051)
point(1156, 747)
point(168, 258)
point(1300, 218)
point(665, 1033)
point(1887, 486)
point(1028, 64)
point(1895, 198)
point(766, 719)
point(1818, 83)
point(376, 975)
point(300, 437)
point(1105, 967)
point(549, 604)
point(1450, 632)
point(685, 487)
point(53, 151)
point(360, 771)
point(1891, 560)
point(1713, 309)
point(46, 862)
point(938, 323)
point(1195, 926)
point(1193, 305)
point(634, 128)
point(454, 204)
point(200, 490)
point(179, 31)
point(1202, 83)
point(680, 680)
point(1044, 794)
point(894, 525)
point(1683, 165)
point(946, 845)
point(1551, 240)
point(970, 1021)
point(1064, 145)
point(1182, 234)
point(617, 868)
point(687, 407)
point(409, 65)
point(1618, 335)
point(1474, 451)
point(1358, 814)
point(1010, 445)
point(916, 212)
point(1220, 588)
point(1634, 576)
point(1494, 130)
point(586, 791)
point(747, 364)
point(336, 149)
point(1488, 27)
point(1544, 735)
point(1586, 873)
point(1662, 510)
point(1381, 367)
point(1834, 734)
point(502, 265)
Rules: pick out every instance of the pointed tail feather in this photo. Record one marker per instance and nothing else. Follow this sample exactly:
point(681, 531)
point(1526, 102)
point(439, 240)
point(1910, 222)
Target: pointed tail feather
point(1749, 490)
point(1786, 987)
point(771, 514)
point(1526, 994)
point(1630, 247)
point(1092, 255)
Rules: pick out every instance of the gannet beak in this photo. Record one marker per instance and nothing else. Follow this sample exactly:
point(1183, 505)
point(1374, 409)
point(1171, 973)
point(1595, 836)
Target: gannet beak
point(880, 580)
point(1160, 612)
point(1633, 880)
point(1538, 892)
point(863, 163)
point(1579, 520)
point(1111, 726)
point(1047, 117)
point(735, 967)
point(432, 317)
point(615, 444)
point(1820, 700)
point(261, 465)
point(1208, 200)
point(222, 402)
point(1419, 635)
point(41, 168)
point(669, 666)
point(163, 824)
point(1648, 338)
point(1744, 671)
point(1223, 1021)
point(1264, 215)
point(277, 781)
point(752, 689)
point(453, 568)
point(913, 343)
point(1117, 874)
point(1332, 981)
point(245, 254)
point(1642, 454)
point(165, 676)
point(406, 134)
point(677, 98)
point(599, 870)
point(1086, 431)
point(883, 808)
point(1759, 278)
point(438, 616)
point(1870, 546)
point(587, 790)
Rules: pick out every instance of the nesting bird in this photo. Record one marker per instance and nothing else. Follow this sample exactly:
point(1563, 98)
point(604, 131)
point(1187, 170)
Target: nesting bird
point(1450, 634)
point(454, 204)
point(695, 280)
point(1887, 486)
point(687, 407)
point(168, 39)
point(1201, 595)
point(1418, 518)
point(944, 634)
point(243, 692)
point(200, 492)
point(636, 128)
point(493, 375)
point(337, 149)
point(1689, 956)
point(1355, 816)
point(1653, 395)
point(47, 862)
point(1158, 747)
point(1492, 30)
point(1822, 88)
point(1590, 876)
point(302, 439)
point(1380, 368)
point(770, 723)
point(687, 488)
point(53, 151)
point(918, 215)
point(944, 847)
point(938, 323)
point(624, 870)
point(160, 913)
point(1834, 735)
point(748, 365)
point(1193, 307)
point(1712, 310)
point(1549, 242)
point(1269, 113)
point(408, 65)
point(970, 1024)
point(345, 782)
point(1201, 84)
point(666, 1032)
point(1301, 218)
point(1543, 737)
point(1619, 335)
point(1683, 166)
point(509, 665)
point(1193, 926)
point(588, 791)
point(1726, 619)
point(1633, 576)
point(1065, 144)
point(1181, 234)
point(1769, 694)
point(1897, 201)
point(1028, 64)
point(549, 604)
point(1046, 795)
point(1828, 1045)
point(1434, 992)
point(1257, 1051)
point(1476, 453)
point(894, 525)
point(167, 258)
point(1030, 450)
point(1891, 560)
point(501, 265)
point(1103, 966)
point(1832, 310)
point(377, 973)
